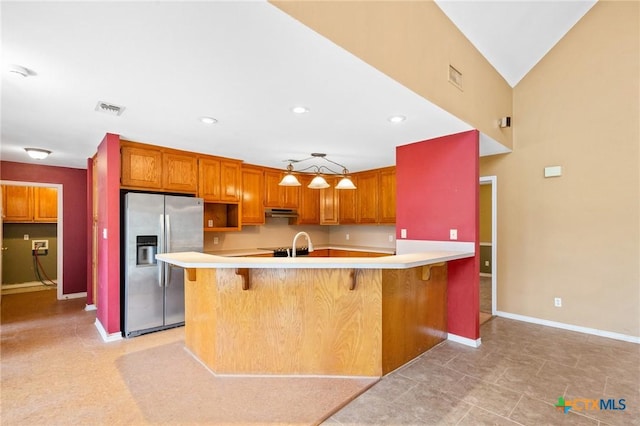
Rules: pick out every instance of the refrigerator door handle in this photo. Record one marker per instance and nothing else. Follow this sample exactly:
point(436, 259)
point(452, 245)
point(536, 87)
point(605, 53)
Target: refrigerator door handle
point(168, 221)
point(167, 271)
point(161, 265)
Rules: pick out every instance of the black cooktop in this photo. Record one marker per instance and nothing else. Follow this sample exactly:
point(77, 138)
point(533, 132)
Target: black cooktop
point(284, 251)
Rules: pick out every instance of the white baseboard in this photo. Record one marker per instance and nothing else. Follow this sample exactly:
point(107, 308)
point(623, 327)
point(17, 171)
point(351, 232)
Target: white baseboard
point(106, 337)
point(465, 340)
point(90, 307)
point(74, 295)
point(570, 327)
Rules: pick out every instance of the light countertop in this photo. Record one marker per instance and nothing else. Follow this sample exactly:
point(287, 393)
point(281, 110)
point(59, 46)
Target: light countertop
point(403, 261)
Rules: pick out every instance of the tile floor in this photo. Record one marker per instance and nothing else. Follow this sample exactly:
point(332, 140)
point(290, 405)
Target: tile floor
point(56, 371)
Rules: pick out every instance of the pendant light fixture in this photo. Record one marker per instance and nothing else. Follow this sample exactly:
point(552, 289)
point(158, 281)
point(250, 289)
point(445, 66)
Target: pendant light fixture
point(289, 179)
point(318, 182)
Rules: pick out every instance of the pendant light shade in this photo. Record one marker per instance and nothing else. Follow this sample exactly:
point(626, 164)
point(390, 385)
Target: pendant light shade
point(318, 182)
point(345, 183)
point(289, 179)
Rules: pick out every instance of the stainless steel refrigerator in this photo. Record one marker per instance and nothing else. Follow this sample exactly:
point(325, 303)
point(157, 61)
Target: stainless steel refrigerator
point(154, 291)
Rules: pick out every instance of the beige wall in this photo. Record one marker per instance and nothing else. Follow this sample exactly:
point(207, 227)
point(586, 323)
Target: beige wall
point(575, 236)
point(414, 43)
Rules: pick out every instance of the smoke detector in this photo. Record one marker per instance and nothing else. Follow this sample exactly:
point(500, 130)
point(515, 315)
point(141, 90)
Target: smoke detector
point(108, 108)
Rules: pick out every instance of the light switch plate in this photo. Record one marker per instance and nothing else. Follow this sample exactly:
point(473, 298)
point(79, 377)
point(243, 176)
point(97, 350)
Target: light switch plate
point(453, 234)
point(552, 171)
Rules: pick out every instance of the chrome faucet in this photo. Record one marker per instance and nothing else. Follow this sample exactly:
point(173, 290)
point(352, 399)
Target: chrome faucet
point(293, 246)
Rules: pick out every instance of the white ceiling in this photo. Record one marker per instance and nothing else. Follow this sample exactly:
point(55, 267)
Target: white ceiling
point(244, 63)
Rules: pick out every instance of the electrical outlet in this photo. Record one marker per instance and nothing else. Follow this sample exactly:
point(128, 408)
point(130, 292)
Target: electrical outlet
point(39, 244)
point(347, 236)
point(453, 234)
point(486, 263)
point(403, 233)
point(210, 223)
point(216, 240)
point(557, 302)
point(390, 238)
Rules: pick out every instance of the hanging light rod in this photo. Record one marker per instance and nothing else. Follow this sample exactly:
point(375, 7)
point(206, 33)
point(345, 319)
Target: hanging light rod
point(318, 182)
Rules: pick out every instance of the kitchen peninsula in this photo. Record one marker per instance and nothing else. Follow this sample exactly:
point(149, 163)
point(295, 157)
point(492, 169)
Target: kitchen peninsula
point(313, 315)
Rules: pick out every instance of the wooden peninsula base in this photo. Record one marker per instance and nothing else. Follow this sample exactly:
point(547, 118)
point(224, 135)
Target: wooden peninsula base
point(313, 320)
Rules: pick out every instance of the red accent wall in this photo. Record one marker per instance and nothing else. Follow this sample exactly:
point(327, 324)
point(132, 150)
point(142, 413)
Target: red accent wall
point(108, 187)
point(74, 215)
point(437, 190)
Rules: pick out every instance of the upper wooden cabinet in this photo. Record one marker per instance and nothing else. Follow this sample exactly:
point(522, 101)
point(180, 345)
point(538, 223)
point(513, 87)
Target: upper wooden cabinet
point(219, 179)
point(367, 197)
point(347, 204)
point(279, 196)
point(17, 203)
point(252, 195)
point(309, 206)
point(329, 204)
point(45, 202)
point(150, 167)
point(29, 204)
point(387, 195)
point(141, 167)
point(179, 172)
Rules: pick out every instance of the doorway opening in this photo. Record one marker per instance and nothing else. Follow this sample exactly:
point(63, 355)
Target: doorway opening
point(32, 214)
point(488, 247)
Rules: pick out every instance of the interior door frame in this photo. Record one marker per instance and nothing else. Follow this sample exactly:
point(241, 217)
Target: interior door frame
point(59, 233)
point(493, 181)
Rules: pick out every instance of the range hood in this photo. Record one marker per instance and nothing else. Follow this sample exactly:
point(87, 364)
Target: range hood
point(280, 213)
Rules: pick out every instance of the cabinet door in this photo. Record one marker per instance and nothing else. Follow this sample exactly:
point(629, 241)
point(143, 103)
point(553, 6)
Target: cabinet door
point(252, 196)
point(179, 172)
point(290, 196)
point(387, 196)
point(141, 167)
point(17, 202)
point(329, 204)
point(45, 204)
point(367, 198)
point(279, 196)
point(272, 189)
point(309, 208)
point(230, 180)
point(209, 179)
point(347, 203)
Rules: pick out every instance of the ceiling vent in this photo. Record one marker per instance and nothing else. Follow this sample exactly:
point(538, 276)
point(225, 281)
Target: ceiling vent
point(108, 108)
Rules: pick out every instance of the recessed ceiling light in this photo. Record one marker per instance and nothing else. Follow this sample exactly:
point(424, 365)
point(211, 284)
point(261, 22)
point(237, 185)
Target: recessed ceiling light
point(299, 109)
point(397, 118)
point(208, 120)
point(19, 71)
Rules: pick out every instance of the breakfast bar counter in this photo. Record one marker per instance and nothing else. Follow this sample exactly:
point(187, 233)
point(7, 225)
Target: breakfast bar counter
point(313, 315)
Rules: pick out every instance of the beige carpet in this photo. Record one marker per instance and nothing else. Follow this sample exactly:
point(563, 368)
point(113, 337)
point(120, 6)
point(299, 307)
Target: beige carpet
point(171, 387)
